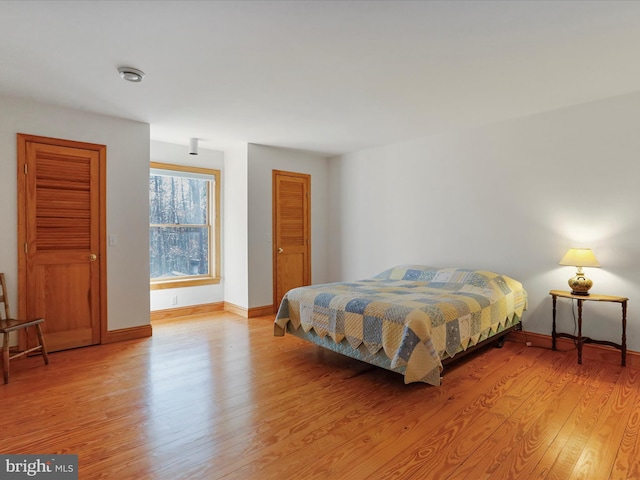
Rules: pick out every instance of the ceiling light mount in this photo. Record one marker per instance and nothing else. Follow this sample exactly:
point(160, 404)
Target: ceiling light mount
point(131, 74)
point(193, 146)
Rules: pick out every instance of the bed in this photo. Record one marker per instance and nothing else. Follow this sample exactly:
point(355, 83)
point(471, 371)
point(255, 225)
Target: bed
point(410, 319)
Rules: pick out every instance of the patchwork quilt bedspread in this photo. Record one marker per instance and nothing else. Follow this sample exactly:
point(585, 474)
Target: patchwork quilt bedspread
point(413, 313)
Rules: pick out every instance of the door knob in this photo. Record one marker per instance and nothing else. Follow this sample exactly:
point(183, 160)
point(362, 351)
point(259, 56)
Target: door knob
point(280, 250)
point(93, 257)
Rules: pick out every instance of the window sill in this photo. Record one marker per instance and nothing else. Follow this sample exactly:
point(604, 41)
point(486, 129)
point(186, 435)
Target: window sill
point(187, 282)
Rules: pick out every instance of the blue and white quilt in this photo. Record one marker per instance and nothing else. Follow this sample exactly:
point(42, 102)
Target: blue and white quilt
point(413, 313)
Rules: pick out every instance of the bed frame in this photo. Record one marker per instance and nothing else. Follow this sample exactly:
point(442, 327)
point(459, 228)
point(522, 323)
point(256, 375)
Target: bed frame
point(381, 360)
point(497, 339)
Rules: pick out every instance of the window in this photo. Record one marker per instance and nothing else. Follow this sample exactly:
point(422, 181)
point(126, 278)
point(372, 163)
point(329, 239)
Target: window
point(184, 236)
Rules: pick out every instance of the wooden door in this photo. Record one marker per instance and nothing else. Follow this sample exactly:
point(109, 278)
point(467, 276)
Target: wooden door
point(61, 223)
point(291, 232)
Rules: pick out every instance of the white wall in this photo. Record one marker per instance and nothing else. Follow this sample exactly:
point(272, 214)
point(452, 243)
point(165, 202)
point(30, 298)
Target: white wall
point(127, 197)
point(179, 155)
point(511, 198)
point(235, 228)
point(262, 161)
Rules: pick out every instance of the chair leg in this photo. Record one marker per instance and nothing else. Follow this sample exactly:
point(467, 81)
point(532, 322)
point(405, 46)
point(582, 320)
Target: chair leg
point(42, 345)
point(5, 357)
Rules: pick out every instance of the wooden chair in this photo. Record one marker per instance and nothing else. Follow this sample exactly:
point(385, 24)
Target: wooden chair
point(8, 325)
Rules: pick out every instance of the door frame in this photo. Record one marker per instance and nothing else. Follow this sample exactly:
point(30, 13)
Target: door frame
point(307, 178)
point(22, 140)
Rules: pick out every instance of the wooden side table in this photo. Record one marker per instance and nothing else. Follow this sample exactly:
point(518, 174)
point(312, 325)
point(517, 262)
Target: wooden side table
point(580, 340)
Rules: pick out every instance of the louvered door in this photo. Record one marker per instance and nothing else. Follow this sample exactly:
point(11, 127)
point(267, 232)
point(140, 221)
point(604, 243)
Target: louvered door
point(292, 231)
point(59, 234)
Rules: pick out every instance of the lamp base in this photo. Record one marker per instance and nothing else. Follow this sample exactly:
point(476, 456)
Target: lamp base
point(580, 285)
point(584, 294)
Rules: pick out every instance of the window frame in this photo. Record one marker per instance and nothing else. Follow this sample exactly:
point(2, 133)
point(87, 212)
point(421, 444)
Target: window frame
point(214, 224)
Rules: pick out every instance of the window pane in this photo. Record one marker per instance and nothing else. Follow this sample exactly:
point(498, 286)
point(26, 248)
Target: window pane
point(178, 251)
point(178, 200)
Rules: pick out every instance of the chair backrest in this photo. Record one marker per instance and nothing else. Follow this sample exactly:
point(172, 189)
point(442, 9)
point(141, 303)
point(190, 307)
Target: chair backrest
point(4, 297)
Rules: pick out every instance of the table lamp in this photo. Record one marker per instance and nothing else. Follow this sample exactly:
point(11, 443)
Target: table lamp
point(580, 257)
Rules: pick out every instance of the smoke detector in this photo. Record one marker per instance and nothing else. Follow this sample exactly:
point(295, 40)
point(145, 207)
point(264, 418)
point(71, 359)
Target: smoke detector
point(131, 74)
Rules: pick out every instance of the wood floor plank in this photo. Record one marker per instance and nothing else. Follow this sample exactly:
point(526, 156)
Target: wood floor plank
point(627, 462)
point(477, 425)
point(420, 418)
point(598, 455)
point(502, 447)
point(548, 413)
point(562, 455)
point(219, 397)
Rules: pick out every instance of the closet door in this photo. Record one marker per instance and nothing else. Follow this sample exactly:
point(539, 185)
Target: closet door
point(61, 261)
point(291, 232)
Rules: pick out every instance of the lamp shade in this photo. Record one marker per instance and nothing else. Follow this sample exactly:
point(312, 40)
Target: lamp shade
point(580, 257)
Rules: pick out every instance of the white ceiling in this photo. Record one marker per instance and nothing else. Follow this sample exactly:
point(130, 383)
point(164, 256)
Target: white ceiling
point(325, 76)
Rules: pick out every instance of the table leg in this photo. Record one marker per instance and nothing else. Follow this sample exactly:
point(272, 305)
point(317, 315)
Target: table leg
point(553, 329)
point(580, 331)
point(624, 334)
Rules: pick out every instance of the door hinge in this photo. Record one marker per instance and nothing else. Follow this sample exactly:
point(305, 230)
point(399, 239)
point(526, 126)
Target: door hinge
point(25, 169)
point(26, 247)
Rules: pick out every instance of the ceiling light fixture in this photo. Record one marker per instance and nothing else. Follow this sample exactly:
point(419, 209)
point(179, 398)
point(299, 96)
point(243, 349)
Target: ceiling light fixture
point(193, 146)
point(131, 74)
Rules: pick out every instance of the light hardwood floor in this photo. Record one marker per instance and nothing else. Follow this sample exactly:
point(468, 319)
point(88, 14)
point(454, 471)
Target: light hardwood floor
point(220, 397)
